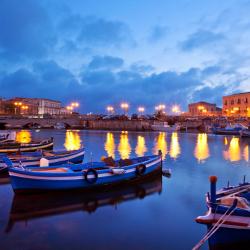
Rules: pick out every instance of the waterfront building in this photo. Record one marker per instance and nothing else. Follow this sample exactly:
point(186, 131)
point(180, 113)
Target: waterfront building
point(203, 109)
point(39, 107)
point(236, 105)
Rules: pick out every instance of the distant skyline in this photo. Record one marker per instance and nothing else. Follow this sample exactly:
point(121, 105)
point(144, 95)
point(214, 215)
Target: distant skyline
point(143, 52)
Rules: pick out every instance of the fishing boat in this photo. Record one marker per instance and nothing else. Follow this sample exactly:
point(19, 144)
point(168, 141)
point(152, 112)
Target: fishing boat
point(229, 129)
point(41, 158)
point(83, 176)
point(165, 127)
point(13, 146)
point(25, 208)
point(228, 216)
point(245, 133)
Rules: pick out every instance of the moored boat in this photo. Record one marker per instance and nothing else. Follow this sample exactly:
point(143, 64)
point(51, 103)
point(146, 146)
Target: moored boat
point(245, 133)
point(228, 216)
point(229, 130)
point(165, 127)
point(83, 176)
point(12, 146)
point(33, 159)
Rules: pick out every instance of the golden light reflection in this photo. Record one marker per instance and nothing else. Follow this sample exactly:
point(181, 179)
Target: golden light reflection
point(124, 147)
point(233, 152)
point(141, 148)
point(225, 141)
point(110, 145)
point(201, 151)
point(161, 144)
point(72, 140)
point(246, 153)
point(175, 149)
point(23, 136)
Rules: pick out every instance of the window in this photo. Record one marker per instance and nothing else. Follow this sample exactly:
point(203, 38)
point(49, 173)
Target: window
point(238, 101)
point(232, 102)
point(225, 103)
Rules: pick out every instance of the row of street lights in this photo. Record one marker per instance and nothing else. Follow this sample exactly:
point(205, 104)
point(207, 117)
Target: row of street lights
point(160, 108)
point(73, 106)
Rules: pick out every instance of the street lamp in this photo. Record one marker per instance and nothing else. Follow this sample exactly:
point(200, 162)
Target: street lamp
point(110, 109)
point(75, 104)
point(176, 109)
point(141, 110)
point(125, 107)
point(17, 104)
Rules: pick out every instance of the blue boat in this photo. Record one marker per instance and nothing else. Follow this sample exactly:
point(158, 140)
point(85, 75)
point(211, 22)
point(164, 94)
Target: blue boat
point(83, 176)
point(236, 129)
point(228, 216)
point(33, 159)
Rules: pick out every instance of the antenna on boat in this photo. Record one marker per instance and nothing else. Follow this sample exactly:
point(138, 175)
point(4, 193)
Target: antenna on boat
point(244, 179)
point(91, 158)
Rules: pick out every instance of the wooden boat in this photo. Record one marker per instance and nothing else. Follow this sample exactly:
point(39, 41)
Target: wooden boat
point(83, 176)
point(228, 216)
point(33, 159)
point(12, 146)
point(27, 207)
point(229, 130)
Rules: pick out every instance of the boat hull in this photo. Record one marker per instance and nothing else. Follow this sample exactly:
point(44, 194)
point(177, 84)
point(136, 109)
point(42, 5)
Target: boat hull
point(23, 181)
point(76, 156)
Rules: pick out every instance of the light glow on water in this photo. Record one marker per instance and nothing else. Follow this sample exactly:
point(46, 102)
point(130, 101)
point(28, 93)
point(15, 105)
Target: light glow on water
point(233, 153)
point(72, 140)
point(201, 151)
point(175, 149)
point(124, 147)
point(141, 148)
point(110, 144)
point(246, 153)
point(23, 136)
point(161, 144)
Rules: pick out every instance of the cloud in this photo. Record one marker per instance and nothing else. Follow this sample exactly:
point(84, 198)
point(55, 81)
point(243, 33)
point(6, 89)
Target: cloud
point(26, 30)
point(105, 62)
point(200, 39)
point(157, 33)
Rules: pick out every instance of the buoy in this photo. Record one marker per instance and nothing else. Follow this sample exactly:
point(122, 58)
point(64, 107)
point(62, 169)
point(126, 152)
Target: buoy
point(167, 172)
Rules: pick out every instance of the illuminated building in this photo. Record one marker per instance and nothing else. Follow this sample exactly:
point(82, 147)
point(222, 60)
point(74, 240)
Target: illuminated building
point(203, 109)
point(237, 105)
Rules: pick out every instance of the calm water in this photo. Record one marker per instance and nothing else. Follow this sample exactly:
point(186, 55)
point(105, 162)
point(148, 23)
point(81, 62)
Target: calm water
point(157, 214)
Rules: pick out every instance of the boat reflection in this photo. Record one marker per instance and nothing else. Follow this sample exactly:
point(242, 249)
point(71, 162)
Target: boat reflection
point(72, 140)
point(201, 151)
point(110, 144)
point(141, 148)
point(27, 207)
point(23, 136)
point(175, 149)
point(233, 153)
point(161, 144)
point(124, 147)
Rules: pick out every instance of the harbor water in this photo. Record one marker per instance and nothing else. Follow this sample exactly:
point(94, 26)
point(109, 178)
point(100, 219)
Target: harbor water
point(156, 214)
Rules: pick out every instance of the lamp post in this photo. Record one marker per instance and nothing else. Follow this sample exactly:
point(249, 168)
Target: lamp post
point(17, 104)
point(110, 109)
point(176, 109)
point(125, 107)
point(141, 110)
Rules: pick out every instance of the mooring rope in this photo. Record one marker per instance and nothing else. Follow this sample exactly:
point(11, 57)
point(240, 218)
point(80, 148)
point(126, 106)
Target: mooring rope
point(216, 226)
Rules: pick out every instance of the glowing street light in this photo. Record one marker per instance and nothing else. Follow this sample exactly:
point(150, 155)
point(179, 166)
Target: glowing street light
point(110, 109)
point(141, 110)
point(176, 109)
point(17, 105)
point(75, 104)
point(124, 106)
point(160, 107)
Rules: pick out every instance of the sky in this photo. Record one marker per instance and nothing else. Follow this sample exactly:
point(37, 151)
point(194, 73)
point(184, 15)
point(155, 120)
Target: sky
point(144, 52)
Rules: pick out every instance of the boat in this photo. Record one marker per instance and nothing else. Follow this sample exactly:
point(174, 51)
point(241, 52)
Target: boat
point(164, 127)
point(82, 176)
point(36, 159)
point(59, 125)
point(228, 216)
point(7, 135)
point(25, 207)
point(229, 129)
point(245, 133)
point(13, 146)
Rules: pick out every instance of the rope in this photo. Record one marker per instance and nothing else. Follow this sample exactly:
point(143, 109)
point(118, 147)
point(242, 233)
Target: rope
point(216, 226)
point(234, 193)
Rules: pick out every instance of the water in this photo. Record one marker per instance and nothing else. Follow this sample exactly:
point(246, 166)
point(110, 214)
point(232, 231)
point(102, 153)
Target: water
point(157, 214)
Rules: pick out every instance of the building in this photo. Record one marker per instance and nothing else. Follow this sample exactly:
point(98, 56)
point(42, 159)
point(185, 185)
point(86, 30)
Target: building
point(236, 105)
point(203, 109)
point(39, 107)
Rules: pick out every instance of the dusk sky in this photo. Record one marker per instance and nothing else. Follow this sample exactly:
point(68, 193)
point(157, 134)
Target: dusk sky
point(144, 52)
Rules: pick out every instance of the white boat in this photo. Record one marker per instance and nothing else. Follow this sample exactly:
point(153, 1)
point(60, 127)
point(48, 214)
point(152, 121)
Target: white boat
point(163, 126)
point(7, 135)
point(59, 125)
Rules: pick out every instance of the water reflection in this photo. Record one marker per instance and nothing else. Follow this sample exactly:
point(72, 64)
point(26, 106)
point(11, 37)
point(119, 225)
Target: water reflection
point(141, 148)
point(175, 149)
point(246, 153)
point(233, 153)
point(23, 136)
point(201, 151)
point(110, 145)
point(161, 144)
point(27, 207)
point(124, 147)
point(72, 140)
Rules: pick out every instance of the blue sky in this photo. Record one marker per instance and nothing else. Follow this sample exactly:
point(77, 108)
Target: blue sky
point(144, 52)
